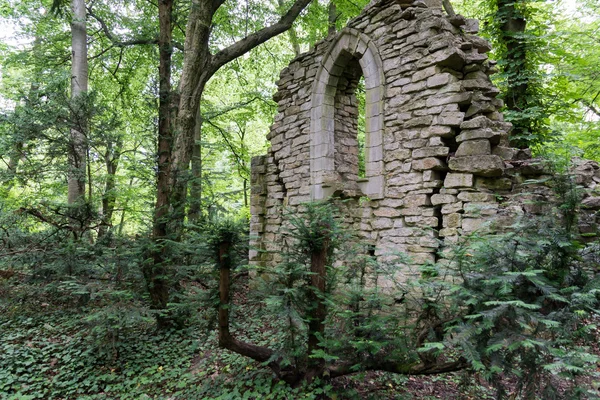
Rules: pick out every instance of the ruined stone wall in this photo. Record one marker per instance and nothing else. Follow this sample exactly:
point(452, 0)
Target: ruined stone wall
point(436, 148)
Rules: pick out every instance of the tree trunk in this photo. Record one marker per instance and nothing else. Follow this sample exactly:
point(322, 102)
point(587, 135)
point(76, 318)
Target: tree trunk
point(79, 88)
point(332, 16)
point(516, 70)
point(196, 184)
point(316, 323)
point(109, 197)
point(155, 271)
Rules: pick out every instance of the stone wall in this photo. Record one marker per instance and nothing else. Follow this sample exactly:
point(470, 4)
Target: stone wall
point(436, 147)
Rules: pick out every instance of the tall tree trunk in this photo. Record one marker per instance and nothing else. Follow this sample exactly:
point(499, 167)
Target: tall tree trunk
point(109, 197)
point(79, 88)
point(332, 17)
point(196, 184)
point(199, 65)
point(517, 73)
point(155, 271)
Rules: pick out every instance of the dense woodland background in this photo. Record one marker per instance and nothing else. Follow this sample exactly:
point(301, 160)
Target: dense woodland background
point(124, 194)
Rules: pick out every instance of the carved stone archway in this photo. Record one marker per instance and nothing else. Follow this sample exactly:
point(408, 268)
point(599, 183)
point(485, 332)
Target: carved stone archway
point(352, 54)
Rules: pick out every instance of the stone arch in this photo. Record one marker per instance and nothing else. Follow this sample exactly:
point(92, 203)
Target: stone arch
point(350, 50)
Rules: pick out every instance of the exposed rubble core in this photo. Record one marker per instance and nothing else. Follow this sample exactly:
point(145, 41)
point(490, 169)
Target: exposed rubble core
point(437, 160)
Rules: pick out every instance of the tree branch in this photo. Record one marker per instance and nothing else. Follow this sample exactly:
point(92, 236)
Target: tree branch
point(257, 38)
point(116, 42)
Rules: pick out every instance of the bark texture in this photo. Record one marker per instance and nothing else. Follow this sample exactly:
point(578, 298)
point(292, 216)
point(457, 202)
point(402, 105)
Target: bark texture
point(79, 88)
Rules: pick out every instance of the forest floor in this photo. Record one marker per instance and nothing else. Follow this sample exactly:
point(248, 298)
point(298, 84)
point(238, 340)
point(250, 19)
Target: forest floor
point(51, 348)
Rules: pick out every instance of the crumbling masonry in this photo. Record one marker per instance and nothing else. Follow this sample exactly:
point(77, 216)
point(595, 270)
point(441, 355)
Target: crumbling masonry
point(437, 159)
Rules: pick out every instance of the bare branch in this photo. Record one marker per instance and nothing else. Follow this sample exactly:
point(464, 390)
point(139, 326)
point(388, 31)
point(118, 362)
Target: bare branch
point(116, 42)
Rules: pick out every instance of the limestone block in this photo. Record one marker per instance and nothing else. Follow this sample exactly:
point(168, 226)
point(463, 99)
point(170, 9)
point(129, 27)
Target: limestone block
point(425, 120)
point(414, 144)
point(476, 196)
point(430, 163)
point(506, 153)
point(474, 147)
point(591, 203)
point(452, 221)
point(493, 183)
point(394, 203)
point(458, 98)
point(412, 211)
point(440, 80)
point(449, 118)
point(414, 87)
point(443, 131)
point(480, 208)
point(484, 165)
point(445, 232)
point(452, 208)
point(400, 154)
point(382, 223)
point(417, 220)
point(387, 212)
point(438, 199)
point(472, 224)
point(416, 200)
point(483, 133)
point(438, 151)
point(455, 180)
point(476, 123)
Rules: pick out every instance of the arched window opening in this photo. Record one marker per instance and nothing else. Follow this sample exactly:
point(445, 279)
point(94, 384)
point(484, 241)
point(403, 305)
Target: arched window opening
point(360, 96)
point(347, 110)
point(347, 121)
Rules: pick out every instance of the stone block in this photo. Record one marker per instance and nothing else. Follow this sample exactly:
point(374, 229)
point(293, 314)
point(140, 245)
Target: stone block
point(382, 223)
point(452, 208)
point(448, 232)
point(438, 199)
point(438, 151)
point(506, 153)
point(421, 221)
point(449, 118)
point(476, 123)
point(386, 212)
point(430, 163)
point(452, 220)
point(472, 224)
point(493, 183)
point(474, 134)
point(484, 165)
point(480, 208)
point(406, 179)
point(476, 196)
point(474, 147)
point(416, 200)
point(455, 180)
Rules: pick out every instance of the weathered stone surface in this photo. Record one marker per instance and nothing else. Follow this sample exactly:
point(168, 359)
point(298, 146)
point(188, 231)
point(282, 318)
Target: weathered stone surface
point(455, 180)
point(438, 151)
point(483, 165)
point(476, 196)
point(506, 153)
point(474, 147)
point(434, 143)
point(452, 221)
point(474, 134)
point(591, 202)
point(472, 224)
point(430, 163)
point(438, 199)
